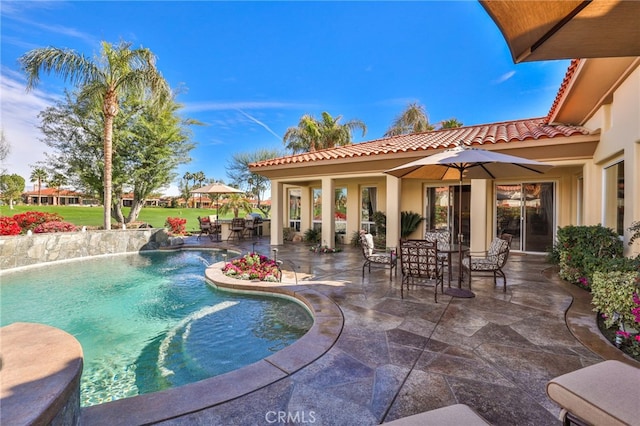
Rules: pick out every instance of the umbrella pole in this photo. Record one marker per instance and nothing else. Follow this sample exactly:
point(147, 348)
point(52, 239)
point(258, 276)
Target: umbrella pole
point(460, 292)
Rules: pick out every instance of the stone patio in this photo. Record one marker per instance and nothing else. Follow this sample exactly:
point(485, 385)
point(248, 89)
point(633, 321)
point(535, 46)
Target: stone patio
point(397, 357)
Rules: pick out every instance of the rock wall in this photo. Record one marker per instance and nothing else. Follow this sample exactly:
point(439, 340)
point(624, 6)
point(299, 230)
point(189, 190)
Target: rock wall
point(24, 250)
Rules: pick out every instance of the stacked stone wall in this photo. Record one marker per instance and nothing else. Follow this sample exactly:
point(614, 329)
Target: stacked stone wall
point(25, 250)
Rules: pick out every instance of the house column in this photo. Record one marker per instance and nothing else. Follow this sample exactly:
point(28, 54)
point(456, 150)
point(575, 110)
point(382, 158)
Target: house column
point(480, 215)
point(277, 212)
point(394, 189)
point(328, 212)
point(592, 195)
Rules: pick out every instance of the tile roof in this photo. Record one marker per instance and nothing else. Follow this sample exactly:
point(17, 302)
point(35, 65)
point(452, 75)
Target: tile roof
point(45, 192)
point(564, 86)
point(484, 134)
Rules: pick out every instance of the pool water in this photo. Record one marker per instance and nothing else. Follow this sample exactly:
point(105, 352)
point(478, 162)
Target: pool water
point(149, 321)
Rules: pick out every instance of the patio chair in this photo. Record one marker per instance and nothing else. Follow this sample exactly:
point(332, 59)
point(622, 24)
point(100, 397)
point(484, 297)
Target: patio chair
point(205, 226)
point(420, 265)
point(493, 262)
point(252, 226)
point(377, 257)
point(442, 238)
point(237, 229)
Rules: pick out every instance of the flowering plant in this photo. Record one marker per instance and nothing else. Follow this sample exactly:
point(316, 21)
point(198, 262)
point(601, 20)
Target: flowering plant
point(325, 249)
point(57, 226)
point(253, 266)
point(8, 226)
point(629, 340)
point(176, 225)
point(30, 220)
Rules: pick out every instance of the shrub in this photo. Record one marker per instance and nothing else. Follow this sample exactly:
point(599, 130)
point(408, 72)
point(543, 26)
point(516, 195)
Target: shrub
point(8, 226)
point(613, 295)
point(30, 220)
point(583, 250)
point(253, 266)
point(57, 226)
point(176, 225)
point(312, 235)
point(409, 222)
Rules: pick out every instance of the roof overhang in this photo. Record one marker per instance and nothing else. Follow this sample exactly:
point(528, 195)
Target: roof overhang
point(592, 86)
point(567, 29)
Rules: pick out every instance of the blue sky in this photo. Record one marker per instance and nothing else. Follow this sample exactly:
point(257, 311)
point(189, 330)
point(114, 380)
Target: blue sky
point(250, 70)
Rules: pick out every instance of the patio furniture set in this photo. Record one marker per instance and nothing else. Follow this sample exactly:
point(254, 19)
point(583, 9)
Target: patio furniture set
point(423, 262)
point(239, 228)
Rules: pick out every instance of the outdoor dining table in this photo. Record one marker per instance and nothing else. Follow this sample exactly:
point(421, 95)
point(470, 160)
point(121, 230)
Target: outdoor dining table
point(449, 250)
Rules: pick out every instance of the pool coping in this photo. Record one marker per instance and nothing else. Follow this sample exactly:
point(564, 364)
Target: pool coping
point(328, 322)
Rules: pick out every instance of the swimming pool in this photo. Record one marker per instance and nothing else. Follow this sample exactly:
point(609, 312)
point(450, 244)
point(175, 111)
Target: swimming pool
point(149, 321)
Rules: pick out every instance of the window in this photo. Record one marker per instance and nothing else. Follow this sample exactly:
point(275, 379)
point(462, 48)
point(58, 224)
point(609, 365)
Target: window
point(294, 209)
point(341, 211)
point(614, 197)
point(317, 208)
point(369, 197)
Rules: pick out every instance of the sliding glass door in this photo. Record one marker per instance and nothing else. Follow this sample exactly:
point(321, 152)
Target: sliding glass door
point(527, 211)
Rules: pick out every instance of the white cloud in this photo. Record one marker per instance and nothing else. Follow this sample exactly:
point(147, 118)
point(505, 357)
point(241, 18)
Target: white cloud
point(19, 122)
point(504, 77)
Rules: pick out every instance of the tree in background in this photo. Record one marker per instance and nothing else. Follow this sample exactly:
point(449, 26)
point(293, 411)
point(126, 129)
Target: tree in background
point(252, 183)
point(5, 149)
point(451, 123)
point(38, 175)
point(413, 119)
point(235, 203)
point(312, 134)
point(11, 187)
point(150, 141)
point(200, 179)
point(57, 181)
point(117, 73)
point(185, 189)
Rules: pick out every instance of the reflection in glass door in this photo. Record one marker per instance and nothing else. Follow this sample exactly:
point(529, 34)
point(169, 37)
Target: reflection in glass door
point(442, 210)
point(526, 211)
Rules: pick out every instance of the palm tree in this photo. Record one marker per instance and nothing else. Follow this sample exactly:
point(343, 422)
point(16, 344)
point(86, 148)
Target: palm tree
point(57, 181)
point(235, 203)
point(303, 138)
point(38, 175)
point(117, 73)
point(313, 134)
point(414, 119)
point(451, 123)
point(333, 134)
point(200, 178)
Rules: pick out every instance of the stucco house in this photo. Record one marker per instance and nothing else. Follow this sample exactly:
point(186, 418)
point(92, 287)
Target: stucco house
point(591, 135)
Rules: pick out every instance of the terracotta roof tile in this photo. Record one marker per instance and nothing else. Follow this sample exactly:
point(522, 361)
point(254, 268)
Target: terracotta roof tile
point(505, 132)
point(571, 70)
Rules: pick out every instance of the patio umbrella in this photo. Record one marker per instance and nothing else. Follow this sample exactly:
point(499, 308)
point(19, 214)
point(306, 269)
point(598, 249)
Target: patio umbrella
point(567, 29)
point(217, 189)
point(471, 163)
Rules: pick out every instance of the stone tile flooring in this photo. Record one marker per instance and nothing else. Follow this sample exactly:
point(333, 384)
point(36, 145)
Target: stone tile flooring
point(397, 357)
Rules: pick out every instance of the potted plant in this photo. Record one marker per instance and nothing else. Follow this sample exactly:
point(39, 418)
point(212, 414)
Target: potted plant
point(409, 222)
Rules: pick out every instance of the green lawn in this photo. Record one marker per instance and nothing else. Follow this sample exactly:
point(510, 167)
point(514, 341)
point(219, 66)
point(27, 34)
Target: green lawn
point(92, 216)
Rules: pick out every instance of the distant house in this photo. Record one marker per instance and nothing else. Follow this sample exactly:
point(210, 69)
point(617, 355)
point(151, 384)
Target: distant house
point(58, 197)
point(153, 201)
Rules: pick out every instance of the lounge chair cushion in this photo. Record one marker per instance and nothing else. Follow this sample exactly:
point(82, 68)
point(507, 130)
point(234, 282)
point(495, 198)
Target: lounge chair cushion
point(369, 240)
point(601, 394)
point(453, 415)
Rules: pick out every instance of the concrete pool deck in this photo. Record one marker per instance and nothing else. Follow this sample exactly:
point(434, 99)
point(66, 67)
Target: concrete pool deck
point(397, 357)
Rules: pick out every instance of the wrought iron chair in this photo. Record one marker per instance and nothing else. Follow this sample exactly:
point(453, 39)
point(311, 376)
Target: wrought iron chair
point(205, 226)
point(377, 257)
point(421, 265)
point(493, 262)
point(237, 229)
